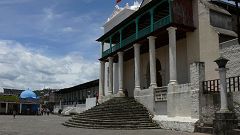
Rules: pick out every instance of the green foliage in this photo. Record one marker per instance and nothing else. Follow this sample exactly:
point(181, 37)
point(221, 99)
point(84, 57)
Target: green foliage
point(9, 98)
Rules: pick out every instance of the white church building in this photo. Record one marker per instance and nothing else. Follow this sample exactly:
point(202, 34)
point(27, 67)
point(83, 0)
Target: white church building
point(162, 52)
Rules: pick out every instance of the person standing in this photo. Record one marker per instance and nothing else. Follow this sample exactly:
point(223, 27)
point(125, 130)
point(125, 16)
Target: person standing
point(14, 113)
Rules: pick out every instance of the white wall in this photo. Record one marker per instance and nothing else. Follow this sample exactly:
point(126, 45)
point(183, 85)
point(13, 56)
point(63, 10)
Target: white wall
point(128, 76)
point(203, 43)
point(122, 15)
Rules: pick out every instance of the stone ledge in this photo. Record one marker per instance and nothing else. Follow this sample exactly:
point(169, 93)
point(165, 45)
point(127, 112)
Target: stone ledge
point(186, 124)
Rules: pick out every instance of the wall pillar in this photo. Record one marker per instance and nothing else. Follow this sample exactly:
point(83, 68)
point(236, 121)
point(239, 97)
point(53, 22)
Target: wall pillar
point(137, 66)
point(197, 76)
point(6, 111)
point(120, 70)
point(20, 108)
point(110, 76)
point(152, 62)
point(102, 79)
point(172, 54)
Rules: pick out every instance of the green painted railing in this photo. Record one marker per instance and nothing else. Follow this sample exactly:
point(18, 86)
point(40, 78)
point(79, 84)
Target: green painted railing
point(129, 39)
point(105, 53)
point(115, 47)
point(162, 22)
point(144, 32)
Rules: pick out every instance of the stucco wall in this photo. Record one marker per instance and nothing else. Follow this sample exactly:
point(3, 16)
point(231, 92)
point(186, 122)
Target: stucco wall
point(161, 108)
point(203, 43)
point(122, 15)
point(231, 51)
point(128, 77)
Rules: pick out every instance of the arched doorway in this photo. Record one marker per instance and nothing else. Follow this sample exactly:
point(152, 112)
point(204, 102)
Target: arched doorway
point(158, 74)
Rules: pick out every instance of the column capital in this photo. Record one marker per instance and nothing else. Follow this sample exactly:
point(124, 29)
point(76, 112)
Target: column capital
point(151, 37)
point(136, 45)
point(110, 58)
point(101, 61)
point(120, 53)
point(171, 28)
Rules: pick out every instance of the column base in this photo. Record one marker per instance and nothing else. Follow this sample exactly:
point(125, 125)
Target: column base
point(137, 88)
point(120, 94)
point(224, 123)
point(153, 85)
point(110, 93)
point(224, 111)
point(173, 82)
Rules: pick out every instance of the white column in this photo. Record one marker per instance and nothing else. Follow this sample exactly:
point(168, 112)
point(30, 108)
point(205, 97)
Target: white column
point(172, 55)
point(223, 89)
point(152, 58)
point(6, 111)
point(137, 66)
point(102, 79)
point(20, 108)
point(110, 87)
point(120, 70)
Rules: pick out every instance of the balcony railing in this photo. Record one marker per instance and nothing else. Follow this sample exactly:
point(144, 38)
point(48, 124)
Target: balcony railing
point(142, 33)
point(162, 22)
point(129, 39)
point(115, 47)
point(105, 53)
point(213, 86)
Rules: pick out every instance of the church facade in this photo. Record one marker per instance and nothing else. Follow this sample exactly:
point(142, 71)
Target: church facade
point(160, 52)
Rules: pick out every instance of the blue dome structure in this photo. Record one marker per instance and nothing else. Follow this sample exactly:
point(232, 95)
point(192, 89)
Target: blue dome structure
point(28, 94)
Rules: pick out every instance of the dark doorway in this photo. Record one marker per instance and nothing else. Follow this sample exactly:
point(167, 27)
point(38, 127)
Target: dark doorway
point(158, 74)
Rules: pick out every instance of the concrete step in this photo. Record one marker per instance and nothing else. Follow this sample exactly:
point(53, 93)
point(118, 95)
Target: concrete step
point(111, 128)
point(111, 122)
point(125, 126)
point(114, 115)
point(205, 129)
point(118, 111)
point(235, 132)
point(104, 108)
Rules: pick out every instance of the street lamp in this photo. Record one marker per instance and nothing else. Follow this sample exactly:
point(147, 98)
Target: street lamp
point(225, 120)
point(222, 62)
point(238, 13)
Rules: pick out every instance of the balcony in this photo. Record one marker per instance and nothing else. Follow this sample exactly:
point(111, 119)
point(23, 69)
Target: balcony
point(147, 20)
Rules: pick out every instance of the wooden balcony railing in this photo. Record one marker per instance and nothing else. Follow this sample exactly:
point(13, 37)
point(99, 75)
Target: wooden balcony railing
point(213, 86)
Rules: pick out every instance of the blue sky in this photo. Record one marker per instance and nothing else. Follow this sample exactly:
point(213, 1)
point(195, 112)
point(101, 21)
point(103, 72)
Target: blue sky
point(51, 43)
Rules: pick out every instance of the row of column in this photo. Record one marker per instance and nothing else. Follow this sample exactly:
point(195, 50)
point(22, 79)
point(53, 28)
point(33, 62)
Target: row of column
point(152, 59)
point(6, 109)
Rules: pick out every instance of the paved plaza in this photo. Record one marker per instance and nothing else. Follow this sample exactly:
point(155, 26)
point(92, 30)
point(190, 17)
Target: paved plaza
point(51, 125)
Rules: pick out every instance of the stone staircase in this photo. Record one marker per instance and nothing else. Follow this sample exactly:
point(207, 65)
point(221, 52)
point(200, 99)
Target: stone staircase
point(116, 113)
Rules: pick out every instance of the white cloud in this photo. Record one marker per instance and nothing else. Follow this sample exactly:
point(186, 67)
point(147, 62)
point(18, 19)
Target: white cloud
point(67, 29)
point(24, 68)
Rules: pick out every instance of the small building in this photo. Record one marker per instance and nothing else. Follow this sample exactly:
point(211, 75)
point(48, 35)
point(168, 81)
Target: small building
point(26, 104)
point(75, 98)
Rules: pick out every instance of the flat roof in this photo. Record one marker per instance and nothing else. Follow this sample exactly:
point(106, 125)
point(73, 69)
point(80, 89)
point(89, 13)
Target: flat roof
point(83, 86)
